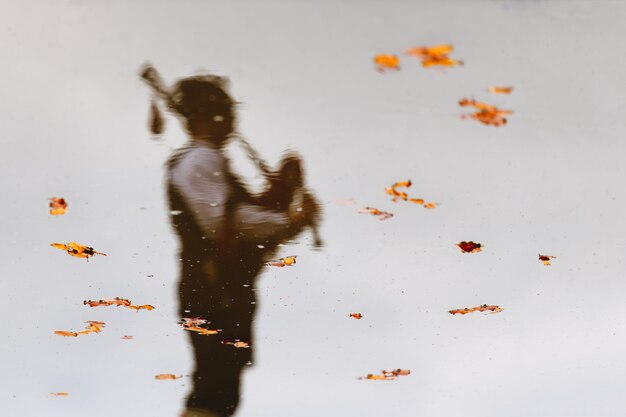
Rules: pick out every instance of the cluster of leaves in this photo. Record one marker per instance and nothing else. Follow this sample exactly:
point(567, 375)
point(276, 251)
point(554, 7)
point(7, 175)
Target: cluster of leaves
point(431, 56)
point(58, 206)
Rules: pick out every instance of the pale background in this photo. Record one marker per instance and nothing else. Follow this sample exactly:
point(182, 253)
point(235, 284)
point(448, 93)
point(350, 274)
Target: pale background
point(73, 124)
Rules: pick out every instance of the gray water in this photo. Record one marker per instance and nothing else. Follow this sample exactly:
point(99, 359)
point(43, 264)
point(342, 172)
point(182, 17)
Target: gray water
point(74, 119)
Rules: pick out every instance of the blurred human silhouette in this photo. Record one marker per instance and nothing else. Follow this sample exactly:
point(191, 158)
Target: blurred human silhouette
point(226, 233)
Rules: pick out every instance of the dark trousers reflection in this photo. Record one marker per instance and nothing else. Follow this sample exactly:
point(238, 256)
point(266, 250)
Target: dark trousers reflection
point(221, 291)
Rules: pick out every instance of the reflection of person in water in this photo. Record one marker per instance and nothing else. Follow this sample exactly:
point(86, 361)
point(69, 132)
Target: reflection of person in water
point(226, 235)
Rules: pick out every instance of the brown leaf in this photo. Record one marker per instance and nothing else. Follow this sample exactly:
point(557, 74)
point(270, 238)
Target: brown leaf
point(494, 309)
point(57, 205)
point(470, 247)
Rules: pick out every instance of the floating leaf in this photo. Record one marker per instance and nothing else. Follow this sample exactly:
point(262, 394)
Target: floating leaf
point(500, 90)
point(237, 343)
point(397, 372)
point(386, 62)
point(162, 377)
point(425, 51)
point(469, 247)
point(401, 195)
point(382, 215)
point(435, 56)
point(378, 377)
point(486, 114)
point(286, 261)
point(117, 301)
point(546, 259)
point(387, 375)
point(66, 334)
point(142, 307)
point(77, 250)
point(57, 205)
point(484, 307)
point(192, 321)
point(92, 327)
point(193, 324)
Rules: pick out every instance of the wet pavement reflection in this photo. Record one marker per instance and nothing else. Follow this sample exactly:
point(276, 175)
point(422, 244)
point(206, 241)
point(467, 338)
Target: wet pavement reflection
point(227, 234)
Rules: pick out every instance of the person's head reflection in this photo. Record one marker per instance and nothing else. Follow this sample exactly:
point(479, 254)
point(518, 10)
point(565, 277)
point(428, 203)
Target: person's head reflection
point(226, 235)
point(206, 109)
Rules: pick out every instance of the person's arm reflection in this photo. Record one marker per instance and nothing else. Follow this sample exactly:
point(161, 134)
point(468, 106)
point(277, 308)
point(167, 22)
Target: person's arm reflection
point(226, 235)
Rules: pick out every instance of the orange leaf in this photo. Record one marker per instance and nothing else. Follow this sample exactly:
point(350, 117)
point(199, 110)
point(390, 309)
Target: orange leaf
point(440, 61)
point(77, 250)
point(379, 377)
point(435, 56)
point(286, 261)
point(486, 114)
point(162, 377)
point(92, 327)
point(387, 62)
point(66, 334)
point(421, 51)
point(500, 90)
point(142, 307)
